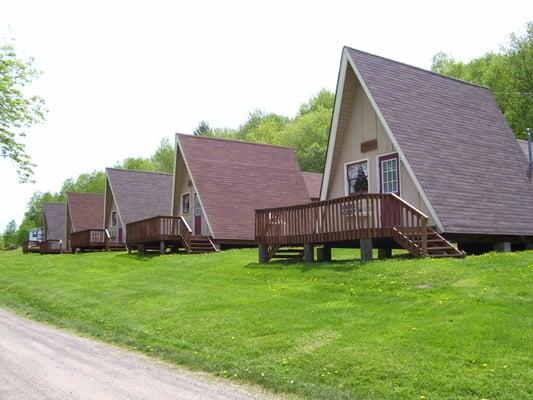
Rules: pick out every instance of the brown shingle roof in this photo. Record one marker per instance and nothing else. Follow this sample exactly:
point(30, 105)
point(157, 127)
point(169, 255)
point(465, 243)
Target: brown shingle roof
point(54, 221)
point(313, 182)
point(140, 195)
point(458, 144)
point(234, 178)
point(524, 147)
point(86, 210)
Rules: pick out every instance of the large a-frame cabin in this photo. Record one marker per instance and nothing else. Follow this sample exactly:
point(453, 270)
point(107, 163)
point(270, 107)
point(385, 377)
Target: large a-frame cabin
point(415, 160)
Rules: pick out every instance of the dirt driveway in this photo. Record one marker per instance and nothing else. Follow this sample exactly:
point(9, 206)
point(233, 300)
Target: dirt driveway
point(40, 362)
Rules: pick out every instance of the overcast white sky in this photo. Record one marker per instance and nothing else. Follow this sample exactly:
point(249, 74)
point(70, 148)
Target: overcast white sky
point(120, 75)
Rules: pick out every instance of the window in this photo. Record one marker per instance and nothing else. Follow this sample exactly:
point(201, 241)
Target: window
point(389, 175)
point(185, 203)
point(357, 177)
point(197, 205)
point(113, 218)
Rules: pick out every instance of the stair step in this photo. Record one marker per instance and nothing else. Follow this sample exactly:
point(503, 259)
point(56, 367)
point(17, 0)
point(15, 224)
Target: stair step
point(290, 251)
point(286, 255)
point(440, 248)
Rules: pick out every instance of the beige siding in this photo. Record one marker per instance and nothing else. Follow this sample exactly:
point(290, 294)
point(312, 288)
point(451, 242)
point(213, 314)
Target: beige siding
point(183, 184)
point(110, 206)
point(358, 122)
point(68, 226)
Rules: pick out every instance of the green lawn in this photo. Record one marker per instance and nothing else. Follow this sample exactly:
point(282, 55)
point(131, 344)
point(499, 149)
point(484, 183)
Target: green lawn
point(394, 329)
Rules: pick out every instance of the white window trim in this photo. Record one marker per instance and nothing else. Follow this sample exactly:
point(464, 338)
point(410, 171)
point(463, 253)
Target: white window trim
point(181, 203)
point(378, 162)
point(345, 173)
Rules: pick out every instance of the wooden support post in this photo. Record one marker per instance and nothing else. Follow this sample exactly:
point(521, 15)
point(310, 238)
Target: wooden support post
point(162, 247)
point(502, 247)
point(424, 249)
point(324, 253)
point(366, 249)
point(309, 252)
point(263, 253)
point(384, 253)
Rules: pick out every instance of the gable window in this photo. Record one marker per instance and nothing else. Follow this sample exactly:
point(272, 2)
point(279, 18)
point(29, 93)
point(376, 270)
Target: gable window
point(185, 203)
point(357, 177)
point(113, 218)
point(390, 180)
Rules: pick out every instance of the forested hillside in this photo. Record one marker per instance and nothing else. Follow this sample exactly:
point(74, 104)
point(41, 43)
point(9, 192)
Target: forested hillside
point(508, 74)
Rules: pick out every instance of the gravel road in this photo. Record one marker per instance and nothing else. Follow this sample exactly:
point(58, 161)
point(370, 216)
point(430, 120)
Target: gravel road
point(40, 362)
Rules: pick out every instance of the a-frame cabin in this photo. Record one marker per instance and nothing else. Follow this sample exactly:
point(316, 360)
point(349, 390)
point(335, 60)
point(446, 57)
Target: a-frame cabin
point(84, 222)
point(132, 196)
point(218, 183)
point(415, 160)
point(54, 228)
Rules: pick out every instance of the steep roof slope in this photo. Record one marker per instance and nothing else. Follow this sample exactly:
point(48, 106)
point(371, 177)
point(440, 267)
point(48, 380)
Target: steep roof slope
point(313, 182)
point(524, 147)
point(54, 221)
point(140, 195)
point(458, 144)
point(86, 210)
point(234, 178)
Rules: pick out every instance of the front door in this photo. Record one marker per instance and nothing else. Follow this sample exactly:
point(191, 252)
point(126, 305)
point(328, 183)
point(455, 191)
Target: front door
point(389, 180)
point(197, 215)
point(120, 235)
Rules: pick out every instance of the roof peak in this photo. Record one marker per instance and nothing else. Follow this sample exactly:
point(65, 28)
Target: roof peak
point(135, 170)
point(419, 68)
point(277, 146)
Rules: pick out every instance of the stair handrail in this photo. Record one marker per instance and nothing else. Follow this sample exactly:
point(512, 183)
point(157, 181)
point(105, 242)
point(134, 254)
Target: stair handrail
point(424, 224)
point(182, 219)
point(413, 208)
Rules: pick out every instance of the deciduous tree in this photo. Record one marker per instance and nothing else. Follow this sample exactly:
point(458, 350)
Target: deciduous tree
point(18, 110)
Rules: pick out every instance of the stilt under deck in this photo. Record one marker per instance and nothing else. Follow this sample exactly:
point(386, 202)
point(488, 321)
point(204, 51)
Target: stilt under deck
point(358, 218)
point(161, 232)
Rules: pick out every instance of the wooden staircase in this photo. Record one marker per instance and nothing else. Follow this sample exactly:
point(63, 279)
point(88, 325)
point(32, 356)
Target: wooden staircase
point(195, 244)
point(437, 246)
point(292, 253)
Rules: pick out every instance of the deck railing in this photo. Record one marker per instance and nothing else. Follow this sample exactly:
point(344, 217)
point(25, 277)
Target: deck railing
point(52, 246)
point(89, 238)
point(370, 215)
point(30, 246)
point(160, 228)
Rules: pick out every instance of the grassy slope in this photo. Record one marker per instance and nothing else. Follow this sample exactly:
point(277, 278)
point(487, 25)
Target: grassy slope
point(393, 329)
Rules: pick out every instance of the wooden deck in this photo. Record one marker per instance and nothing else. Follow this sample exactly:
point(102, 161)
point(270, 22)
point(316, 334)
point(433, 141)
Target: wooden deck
point(346, 219)
point(93, 239)
point(52, 246)
point(31, 246)
point(161, 232)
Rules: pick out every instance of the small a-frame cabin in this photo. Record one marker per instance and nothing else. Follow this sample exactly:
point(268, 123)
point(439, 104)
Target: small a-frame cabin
point(415, 160)
point(216, 187)
point(85, 222)
point(132, 196)
point(218, 183)
point(54, 228)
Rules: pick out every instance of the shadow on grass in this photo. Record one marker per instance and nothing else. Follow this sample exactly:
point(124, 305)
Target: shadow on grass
point(149, 255)
point(339, 265)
